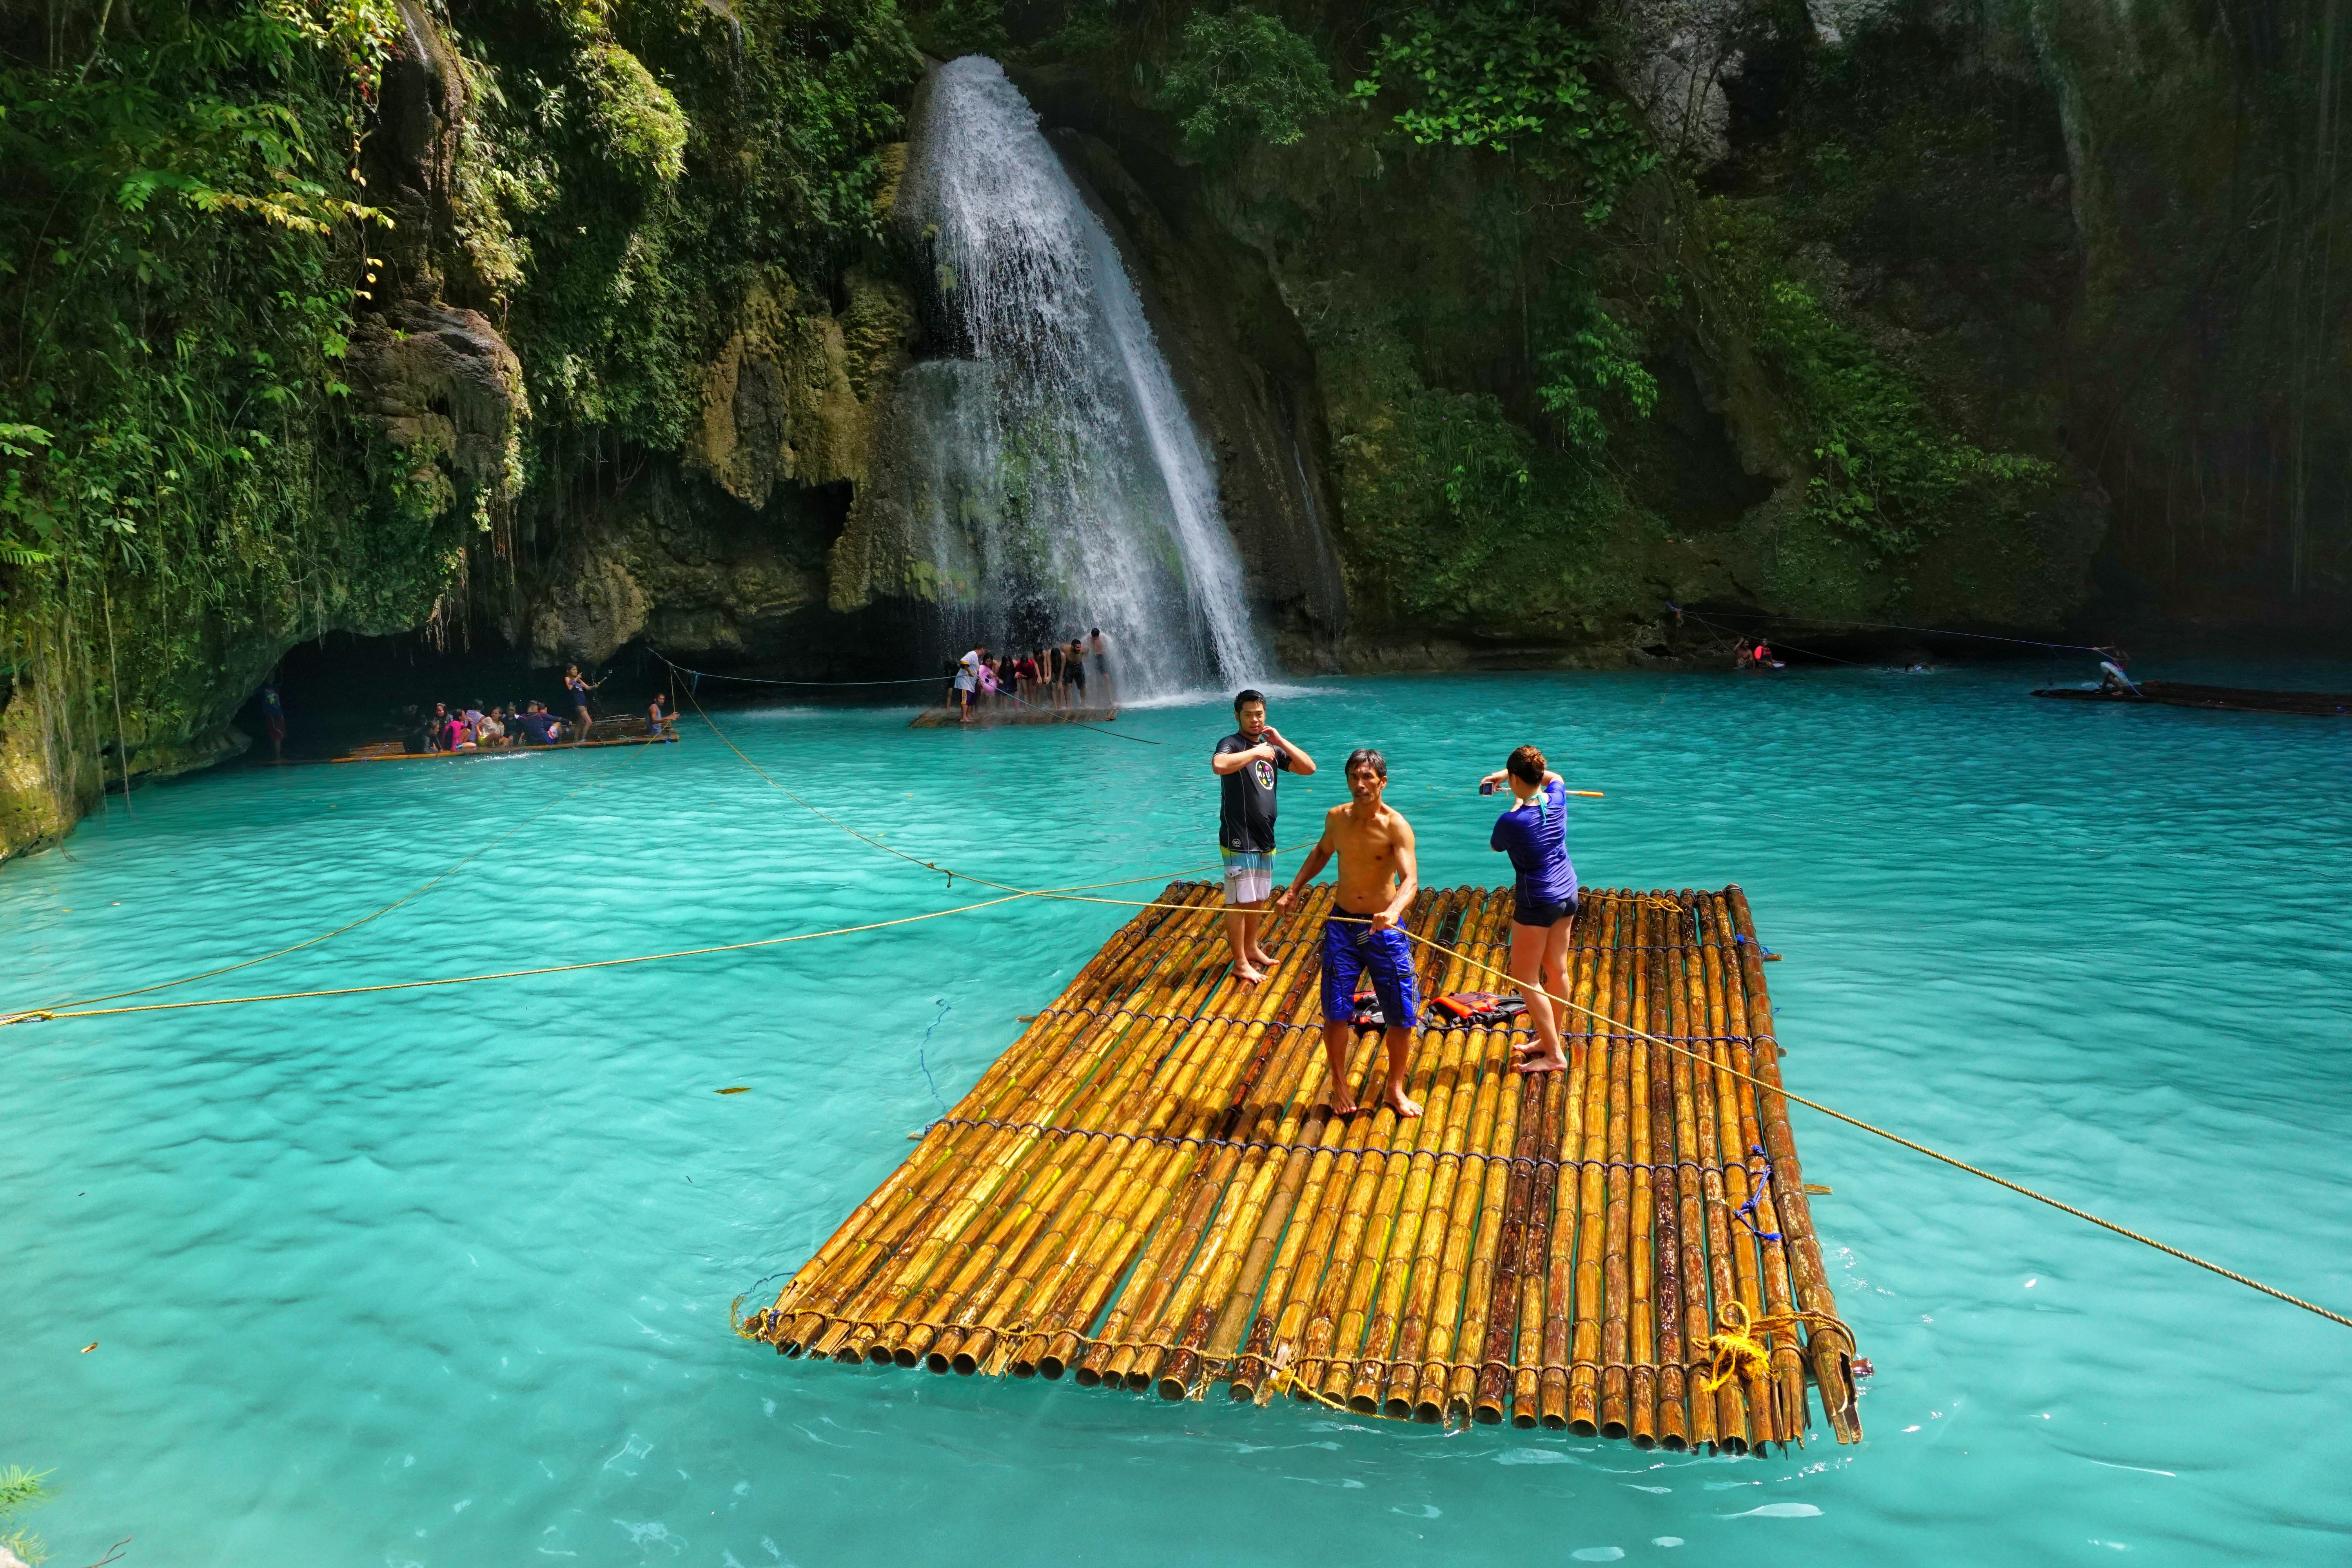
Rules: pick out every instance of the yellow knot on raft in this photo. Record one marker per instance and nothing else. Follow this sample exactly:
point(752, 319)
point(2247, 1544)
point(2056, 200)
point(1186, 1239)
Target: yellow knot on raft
point(1733, 1351)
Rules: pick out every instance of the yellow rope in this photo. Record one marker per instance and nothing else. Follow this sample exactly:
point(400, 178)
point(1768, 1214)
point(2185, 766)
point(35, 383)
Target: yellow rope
point(53, 1009)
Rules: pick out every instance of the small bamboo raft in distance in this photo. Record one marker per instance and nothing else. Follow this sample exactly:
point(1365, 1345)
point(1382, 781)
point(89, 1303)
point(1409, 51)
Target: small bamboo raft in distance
point(1150, 1190)
point(948, 716)
point(628, 730)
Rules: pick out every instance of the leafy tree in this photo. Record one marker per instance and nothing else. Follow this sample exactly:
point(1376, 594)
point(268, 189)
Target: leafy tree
point(1510, 75)
point(1240, 77)
point(20, 1491)
point(1598, 362)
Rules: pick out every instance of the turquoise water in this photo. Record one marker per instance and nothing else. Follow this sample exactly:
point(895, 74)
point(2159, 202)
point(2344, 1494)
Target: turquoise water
point(442, 1276)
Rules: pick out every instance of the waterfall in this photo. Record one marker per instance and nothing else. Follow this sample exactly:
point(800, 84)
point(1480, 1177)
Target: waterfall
point(1057, 481)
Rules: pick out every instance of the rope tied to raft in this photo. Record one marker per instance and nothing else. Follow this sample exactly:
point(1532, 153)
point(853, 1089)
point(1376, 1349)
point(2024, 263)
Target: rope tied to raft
point(1758, 1180)
point(1735, 1350)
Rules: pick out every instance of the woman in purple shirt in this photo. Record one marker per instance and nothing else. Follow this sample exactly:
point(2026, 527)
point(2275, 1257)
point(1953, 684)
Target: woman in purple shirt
point(1534, 834)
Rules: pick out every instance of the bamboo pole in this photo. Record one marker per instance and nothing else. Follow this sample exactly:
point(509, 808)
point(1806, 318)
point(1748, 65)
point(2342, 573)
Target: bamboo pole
point(1731, 1260)
point(1643, 1308)
point(1616, 1263)
point(1673, 1418)
point(1690, 1177)
point(1592, 1192)
point(1559, 1286)
point(1828, 1348)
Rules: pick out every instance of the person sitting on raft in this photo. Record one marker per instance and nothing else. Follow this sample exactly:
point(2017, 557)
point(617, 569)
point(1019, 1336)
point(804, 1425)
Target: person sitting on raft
point(1377, 880)
point(1534, 834)
point(661, 726)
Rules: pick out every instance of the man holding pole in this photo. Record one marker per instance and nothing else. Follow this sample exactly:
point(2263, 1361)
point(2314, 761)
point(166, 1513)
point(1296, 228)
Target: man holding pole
point(1377, 880)
point(1245, 761)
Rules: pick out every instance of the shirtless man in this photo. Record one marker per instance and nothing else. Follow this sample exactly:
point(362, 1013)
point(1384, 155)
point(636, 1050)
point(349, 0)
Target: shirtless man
point(1246, 762)
point(1377, 880)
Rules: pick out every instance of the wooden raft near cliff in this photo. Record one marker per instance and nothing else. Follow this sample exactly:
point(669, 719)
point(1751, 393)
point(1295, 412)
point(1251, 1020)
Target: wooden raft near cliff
point(1148, 1190)
point(947, 716)
point(627, 730)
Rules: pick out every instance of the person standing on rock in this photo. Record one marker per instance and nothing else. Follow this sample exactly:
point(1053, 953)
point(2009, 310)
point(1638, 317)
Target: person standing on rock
point(1099, 651)
point(578, 686)
point(968, 680)
point(1245, 761)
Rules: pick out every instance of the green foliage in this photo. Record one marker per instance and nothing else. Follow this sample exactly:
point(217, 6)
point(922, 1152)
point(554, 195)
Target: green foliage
point(959, 27)
point(20, 1491)
point(641, 127)
point(1888, 472)
point(1511, 76)
point(182, 250)
point(1454, 515)
point(1240, 77)
point(1599, 362)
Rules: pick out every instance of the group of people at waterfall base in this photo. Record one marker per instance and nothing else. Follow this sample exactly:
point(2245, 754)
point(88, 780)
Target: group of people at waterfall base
point(1053, 678)
point(1378, 879)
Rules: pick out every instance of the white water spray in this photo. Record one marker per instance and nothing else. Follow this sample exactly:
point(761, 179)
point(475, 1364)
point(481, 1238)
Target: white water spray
point(1058, 478)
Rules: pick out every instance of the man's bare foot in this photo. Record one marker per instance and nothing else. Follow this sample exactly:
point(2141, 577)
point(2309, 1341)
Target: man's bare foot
point(1245, 973)
point(1539, 1063)
point(1342, 1104)
point(1404, 1106)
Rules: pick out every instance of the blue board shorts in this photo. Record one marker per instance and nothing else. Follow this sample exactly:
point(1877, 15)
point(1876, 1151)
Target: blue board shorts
point(1351, 948)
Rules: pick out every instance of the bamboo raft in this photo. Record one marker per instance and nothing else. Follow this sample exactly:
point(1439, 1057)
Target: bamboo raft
point(948, 716)
point(629, 729)
point(2213, 698)
point(1150, 1190)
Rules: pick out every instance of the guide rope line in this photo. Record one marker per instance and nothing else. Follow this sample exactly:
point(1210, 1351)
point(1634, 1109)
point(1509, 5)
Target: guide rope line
point(409, 897)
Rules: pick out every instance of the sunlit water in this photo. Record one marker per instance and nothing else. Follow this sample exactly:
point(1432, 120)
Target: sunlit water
point(442, 1276)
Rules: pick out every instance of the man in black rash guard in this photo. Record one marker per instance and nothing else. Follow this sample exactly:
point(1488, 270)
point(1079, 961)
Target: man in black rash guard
point(1245, 761)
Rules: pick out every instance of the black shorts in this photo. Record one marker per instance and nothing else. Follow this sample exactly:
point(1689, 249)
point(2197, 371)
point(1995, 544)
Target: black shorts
point(1526, 911)
point(1078, 679)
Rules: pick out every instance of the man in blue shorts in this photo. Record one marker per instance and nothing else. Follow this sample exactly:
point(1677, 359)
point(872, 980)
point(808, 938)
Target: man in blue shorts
point(1245, 761)
point(1377, 880)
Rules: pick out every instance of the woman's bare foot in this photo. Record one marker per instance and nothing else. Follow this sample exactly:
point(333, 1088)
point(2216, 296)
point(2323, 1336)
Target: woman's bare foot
point(1405, 1107)
point(1262, 958)
point(1248, 974)
point(1539, 1063)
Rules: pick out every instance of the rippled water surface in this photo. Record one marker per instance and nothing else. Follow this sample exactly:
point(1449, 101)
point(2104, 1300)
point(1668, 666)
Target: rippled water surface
point(442, 1276)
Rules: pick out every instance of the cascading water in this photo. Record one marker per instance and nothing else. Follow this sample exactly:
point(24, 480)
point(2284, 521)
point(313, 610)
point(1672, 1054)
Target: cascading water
point(1058, 483)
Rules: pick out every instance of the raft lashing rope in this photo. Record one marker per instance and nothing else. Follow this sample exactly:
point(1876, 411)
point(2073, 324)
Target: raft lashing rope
point(1150, 1190)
